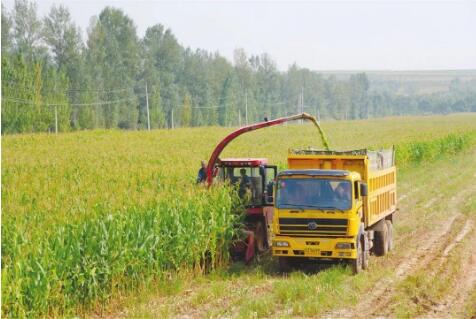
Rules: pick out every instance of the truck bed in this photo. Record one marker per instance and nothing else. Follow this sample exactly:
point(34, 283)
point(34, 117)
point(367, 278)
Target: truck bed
point(377, 169)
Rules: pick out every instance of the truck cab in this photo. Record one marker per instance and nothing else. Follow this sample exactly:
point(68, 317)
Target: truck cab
point(324, 210)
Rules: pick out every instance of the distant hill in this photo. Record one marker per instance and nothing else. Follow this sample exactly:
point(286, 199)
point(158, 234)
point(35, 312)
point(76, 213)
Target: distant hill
point(410, 82)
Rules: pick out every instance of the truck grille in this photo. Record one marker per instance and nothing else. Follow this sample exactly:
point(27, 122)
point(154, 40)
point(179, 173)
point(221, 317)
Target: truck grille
point(313, 226)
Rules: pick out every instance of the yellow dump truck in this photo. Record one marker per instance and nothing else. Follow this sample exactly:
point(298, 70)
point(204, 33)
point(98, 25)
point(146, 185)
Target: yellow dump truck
point(334, 205)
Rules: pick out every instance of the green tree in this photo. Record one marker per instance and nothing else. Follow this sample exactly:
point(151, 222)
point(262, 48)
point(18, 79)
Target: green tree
point(114, 60)
point(165, 54)
point(157, 115)
point(6, 32)
point(63, 38)
point(187, 110)
point(27, 31)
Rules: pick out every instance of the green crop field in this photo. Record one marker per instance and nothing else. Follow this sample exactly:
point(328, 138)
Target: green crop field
point(90, 218)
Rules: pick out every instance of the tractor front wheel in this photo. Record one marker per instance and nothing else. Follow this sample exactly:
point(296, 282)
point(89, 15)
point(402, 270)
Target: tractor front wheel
point(260, 238)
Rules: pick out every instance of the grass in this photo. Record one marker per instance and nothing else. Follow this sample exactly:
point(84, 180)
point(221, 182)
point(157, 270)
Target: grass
point(91, 216)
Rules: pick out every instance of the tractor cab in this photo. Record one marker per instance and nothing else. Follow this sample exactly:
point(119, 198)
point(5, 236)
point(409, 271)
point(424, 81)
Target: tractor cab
point(252, 176)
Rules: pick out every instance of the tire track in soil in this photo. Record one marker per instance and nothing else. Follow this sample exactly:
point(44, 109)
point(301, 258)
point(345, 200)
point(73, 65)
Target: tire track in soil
point(375, 304)
point(436, 245)
point(464, 283)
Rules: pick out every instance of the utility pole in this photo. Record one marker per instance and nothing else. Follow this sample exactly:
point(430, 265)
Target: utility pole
point(239, 118)
point(318, 116)
point(147, 104)
point(56, 119)
point(56, 112)
point(246, 108)
point(96, 117)
point(172, 119)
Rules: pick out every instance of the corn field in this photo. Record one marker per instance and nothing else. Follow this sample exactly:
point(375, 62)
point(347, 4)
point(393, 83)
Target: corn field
point(88, 216)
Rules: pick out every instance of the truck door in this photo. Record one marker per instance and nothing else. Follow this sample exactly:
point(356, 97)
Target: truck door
point(268, 183)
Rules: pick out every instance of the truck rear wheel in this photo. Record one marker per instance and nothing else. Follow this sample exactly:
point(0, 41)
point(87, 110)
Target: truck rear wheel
point(357, 263)
point(381, 241)
point(390, 235)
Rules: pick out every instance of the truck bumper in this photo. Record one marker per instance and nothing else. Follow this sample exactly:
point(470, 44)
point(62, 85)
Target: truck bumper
point(314, 247)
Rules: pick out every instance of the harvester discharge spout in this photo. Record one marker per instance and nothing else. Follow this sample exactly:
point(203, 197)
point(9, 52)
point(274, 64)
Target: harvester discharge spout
point(214, 158)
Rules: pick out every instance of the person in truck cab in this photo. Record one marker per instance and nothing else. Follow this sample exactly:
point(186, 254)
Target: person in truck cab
point(342, 193)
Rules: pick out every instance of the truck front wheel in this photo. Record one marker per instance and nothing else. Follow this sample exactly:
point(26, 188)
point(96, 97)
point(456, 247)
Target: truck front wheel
point(357, 263)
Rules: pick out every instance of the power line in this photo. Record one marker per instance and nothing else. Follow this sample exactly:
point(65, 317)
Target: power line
point(208, 107)
point(22, 101)
point(30, 87)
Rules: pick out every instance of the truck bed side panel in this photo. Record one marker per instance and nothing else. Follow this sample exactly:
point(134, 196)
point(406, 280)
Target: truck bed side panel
point(382, 199)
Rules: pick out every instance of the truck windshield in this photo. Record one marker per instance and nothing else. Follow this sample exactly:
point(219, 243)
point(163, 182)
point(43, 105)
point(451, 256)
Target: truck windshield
point(314, 193)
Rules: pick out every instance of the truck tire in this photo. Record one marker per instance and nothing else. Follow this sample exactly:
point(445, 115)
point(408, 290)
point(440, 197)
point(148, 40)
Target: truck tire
point(357, 264)
point(284, 264)
point(390, 235)
point(381, 241)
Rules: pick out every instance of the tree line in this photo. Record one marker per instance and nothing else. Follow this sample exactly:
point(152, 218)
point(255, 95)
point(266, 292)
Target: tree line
point(52, 78)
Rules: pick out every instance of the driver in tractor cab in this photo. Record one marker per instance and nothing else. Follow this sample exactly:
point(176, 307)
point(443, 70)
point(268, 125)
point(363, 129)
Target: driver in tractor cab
point(245, 183)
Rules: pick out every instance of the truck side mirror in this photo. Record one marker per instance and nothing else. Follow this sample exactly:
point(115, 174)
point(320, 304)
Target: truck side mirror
point(364, 190)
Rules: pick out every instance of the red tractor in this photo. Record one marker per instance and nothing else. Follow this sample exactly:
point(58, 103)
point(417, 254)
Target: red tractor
point(254, 179)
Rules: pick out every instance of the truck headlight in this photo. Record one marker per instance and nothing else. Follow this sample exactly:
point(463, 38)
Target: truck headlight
point(344, 246)
point(281, 244)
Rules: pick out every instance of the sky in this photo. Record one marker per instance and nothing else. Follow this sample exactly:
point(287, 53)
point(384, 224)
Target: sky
point(320, 35)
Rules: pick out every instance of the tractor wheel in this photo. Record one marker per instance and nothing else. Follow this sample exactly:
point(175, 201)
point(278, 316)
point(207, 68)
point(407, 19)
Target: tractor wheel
point(260, 238)
point(381, 241)
point(357, 264)
point(390, 235)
